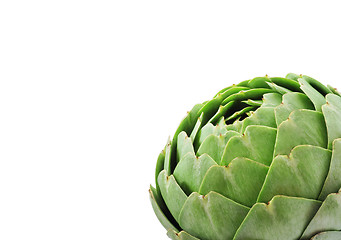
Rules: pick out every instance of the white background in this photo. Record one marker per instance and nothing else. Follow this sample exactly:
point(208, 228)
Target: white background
point(91, 90)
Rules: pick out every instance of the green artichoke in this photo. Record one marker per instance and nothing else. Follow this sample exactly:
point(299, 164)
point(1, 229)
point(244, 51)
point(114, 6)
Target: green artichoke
point(261, 160)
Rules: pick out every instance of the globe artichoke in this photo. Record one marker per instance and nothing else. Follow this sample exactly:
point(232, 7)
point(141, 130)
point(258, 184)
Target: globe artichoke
point(261, 160)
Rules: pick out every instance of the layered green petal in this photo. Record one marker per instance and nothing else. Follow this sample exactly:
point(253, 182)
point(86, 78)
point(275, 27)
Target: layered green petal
point(212, 216)
point(172, 194)
point(257, 143)
point(159, 209)
point(261, 160)
point(300, 175)
point(303, 127)
point(333, 180)
point(327, 218)
point(191, 170)
point(332, 114)
point(283, 218)
point(180, 236)
point(330, 235)
point(240, 181)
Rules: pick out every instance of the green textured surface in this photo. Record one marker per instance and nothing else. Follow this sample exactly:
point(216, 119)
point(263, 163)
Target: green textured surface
point(240, 181)
point(289, 84)
point(315, 96)
point(330, 235)
point(214, 146)
point(327, 218)
point(191, 170)
point(172, 194)
point(212, 216)
point(257, 143)
point(333, 180)
point(284, 218)
point(159, 212)
point(303, 127)
point(332, 114)
point(180, 235)
point(184, 146)
point(291, 102)
point(300, 175)
point(261, 160)
point(263, 116)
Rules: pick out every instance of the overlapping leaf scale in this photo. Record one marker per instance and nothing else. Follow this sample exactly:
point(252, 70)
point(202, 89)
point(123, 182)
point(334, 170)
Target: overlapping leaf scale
point(291, 101)
point(210, 129)
point(327, 217)
point(303, 127)
point(191, 170)
point(257, 143)
point(314, 95)
point(301, 174)
point(182, 235)
point(161, 211)
point(211, 199)
point(332, 114)
point(172, 193)
point(283, 218)
point(329, 235)
point(333, 179)
point(212, 216)
point(240, 181)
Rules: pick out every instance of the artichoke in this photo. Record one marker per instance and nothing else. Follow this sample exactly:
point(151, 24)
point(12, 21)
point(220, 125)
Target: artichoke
point(261, 160)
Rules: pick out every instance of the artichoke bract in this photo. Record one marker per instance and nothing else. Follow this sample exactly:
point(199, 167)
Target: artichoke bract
point(261, 160)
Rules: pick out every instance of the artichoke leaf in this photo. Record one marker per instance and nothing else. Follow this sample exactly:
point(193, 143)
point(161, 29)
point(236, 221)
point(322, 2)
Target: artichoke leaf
point(259, 82)
point(236, 126)
point(214, 145)
point(222, 111)
point(210, 108)
point(212, 216)
point(159, 209)
point(332, 115)
point(264, 116)
point(315, 96)
point(293, 76)
point(334, 90)
point(209, 129)
point(291, 101)
point(330, 235)
point(197, 127)
point(241, 112)
point(244, 83)
point(187, 125)
point(300, 175)
point(174, 235)
point(257, 144)
point(303, 127)
point(333, 180)
point(240, 181)
point(159, 166)
point(191, 170)
point(172, 193)
point(282, 218)
point(327, 217)
point(317, 85)
point(287, 83)
point(256, 94)
point(167, 162)
point(254, 103)
point(184, 145)
point(279, 89)
point(233, 90)
point(272, 99)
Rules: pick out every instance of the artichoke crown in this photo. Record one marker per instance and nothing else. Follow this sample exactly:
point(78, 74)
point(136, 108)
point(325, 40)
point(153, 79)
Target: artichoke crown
point(261, 160)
